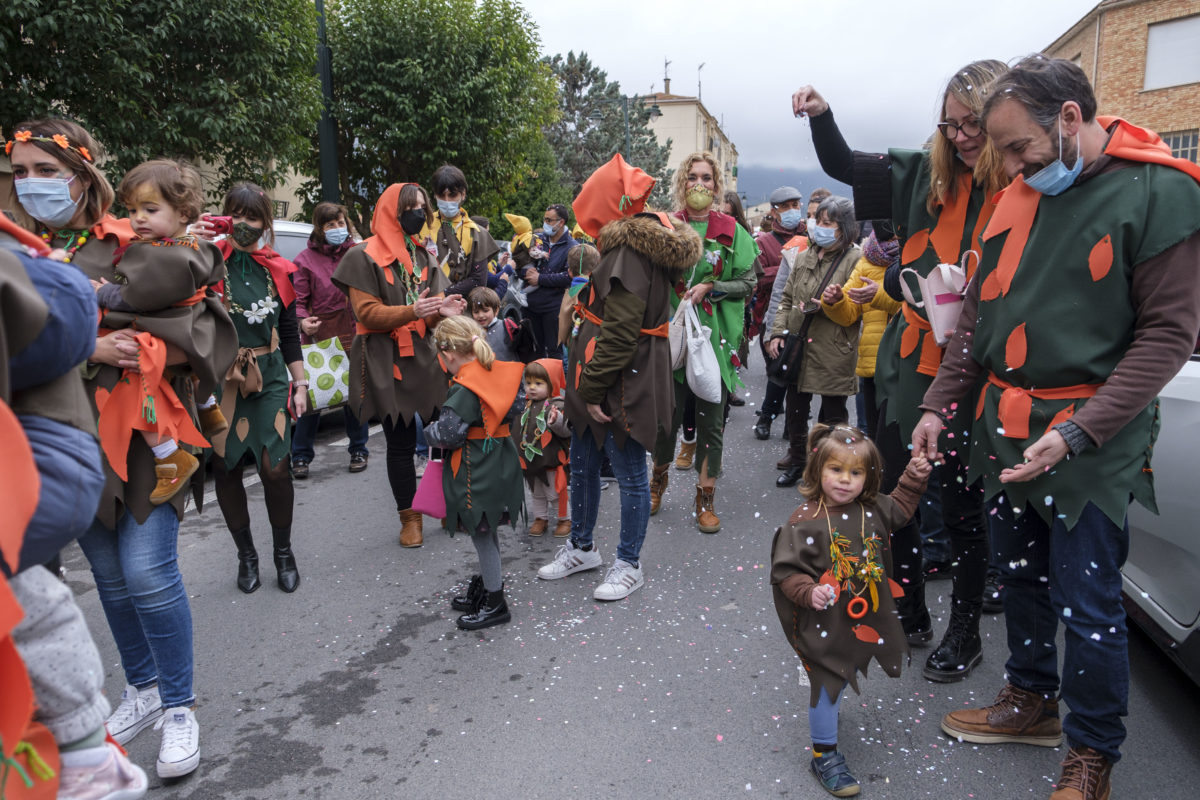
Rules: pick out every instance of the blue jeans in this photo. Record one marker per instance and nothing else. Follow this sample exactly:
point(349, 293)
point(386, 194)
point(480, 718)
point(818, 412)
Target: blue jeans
point(1050, 572)
point(422, 446)
point(629, 467)
point(305, 433)
point(137, 576)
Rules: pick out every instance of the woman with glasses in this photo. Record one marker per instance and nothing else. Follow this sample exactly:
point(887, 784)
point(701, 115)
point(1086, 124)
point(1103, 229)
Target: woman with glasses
point(940, 202)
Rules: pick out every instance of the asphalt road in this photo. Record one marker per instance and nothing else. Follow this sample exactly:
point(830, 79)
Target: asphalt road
point(359, 686)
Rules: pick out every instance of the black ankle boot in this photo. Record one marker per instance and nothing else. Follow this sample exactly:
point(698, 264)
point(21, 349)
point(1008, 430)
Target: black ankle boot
point(470, 600)
point(247, 577)
point(762, 428)
point(287, 576)
point(493, 611)
point(790, 477)
point(914, 616)
point(961, 649)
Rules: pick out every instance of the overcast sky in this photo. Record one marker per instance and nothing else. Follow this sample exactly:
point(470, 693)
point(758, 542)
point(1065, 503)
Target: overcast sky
point(882, 65)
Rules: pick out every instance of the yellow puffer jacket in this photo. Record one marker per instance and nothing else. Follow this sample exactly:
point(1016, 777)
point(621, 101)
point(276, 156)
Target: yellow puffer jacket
point(874, 315)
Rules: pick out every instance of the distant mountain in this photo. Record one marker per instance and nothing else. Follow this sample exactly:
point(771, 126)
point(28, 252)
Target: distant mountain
point(756, 182)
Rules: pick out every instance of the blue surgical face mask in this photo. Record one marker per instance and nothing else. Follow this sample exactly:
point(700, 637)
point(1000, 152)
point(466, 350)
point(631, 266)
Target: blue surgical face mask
point(448, 209)
point(336, 236)
point(791, 218)
point(1055, 178)
point(822, 237)
point(548, 228)
point(48, 200)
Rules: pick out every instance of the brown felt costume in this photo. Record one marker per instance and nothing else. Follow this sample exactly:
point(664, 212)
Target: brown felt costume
point(832, 645)
point(394, 371)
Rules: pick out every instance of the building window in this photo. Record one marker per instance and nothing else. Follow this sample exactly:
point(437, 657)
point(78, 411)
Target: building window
point(281, 208)
point(1173, 53)
point(1184, 144)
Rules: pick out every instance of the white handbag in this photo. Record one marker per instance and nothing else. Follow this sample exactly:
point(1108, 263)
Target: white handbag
point(942, 293)
point(677, 336)
point(703, 371)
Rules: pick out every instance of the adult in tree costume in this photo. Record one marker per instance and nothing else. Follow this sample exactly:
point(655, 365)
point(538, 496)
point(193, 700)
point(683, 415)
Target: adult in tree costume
point(1084, 306)
point(717, 285)
point(619, 385)
point(939, 200)
point(397, 292)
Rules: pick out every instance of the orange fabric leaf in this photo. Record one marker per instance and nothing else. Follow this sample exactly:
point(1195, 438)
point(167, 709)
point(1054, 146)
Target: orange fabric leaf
point(909, 340)
point(1101, 258)
point(589, 351)
point(396, 373)
point(915, 246)
point(1061, 416)
point(828, 579)
point(990, 289)
point(931, 355)
point(1015, 408)
point(1015, 214)
point(897, 589)
point(947, 234)
point(19, 489)
point(865, 633)
point(578, 373)
point(1016, 348)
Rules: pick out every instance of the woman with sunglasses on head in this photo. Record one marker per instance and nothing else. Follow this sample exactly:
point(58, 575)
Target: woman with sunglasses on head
point(940, 201)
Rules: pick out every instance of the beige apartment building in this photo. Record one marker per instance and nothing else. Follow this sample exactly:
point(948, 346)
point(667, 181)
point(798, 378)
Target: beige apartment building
point(691, 127)
point(1143, 59)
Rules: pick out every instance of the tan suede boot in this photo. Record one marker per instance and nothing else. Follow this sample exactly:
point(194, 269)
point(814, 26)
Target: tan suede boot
point(706, 517)
point(687, 454)
point(658, 487)
point(538, 527)
point(411, 530)
point(1085, 776)
point(212, 421)
point(172, 473)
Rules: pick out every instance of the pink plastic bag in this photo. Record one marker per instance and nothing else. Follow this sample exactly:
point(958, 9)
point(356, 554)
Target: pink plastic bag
point(430, 498)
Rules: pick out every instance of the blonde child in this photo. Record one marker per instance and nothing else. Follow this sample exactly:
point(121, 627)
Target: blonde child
point(482, 475)
point(829, 577)
point(167, 273)
point(544, 444)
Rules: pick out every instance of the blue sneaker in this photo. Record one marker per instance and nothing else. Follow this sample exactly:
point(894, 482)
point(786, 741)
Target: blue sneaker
point(834, 776)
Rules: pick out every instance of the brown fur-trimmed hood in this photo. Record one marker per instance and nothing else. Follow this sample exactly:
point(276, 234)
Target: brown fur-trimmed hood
point(672, 250)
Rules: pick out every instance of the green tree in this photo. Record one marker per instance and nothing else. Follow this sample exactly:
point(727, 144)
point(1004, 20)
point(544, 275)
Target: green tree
point(421, 83)
point(540, 187)
point(591, 125)
point(226, 82)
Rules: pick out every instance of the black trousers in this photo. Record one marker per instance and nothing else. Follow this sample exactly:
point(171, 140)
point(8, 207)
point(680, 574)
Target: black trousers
point(799, 406)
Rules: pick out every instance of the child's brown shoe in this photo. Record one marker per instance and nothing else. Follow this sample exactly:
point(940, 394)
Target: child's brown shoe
point(173, 473)
point(563, 529)
point(212, 421)
point(538, 527)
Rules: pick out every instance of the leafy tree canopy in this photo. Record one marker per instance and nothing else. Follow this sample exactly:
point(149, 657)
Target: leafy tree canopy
point(421, 83)
point(227, 82)
point(590, 128)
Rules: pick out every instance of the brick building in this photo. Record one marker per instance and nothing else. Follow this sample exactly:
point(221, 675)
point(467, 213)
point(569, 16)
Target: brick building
point(1143, 59)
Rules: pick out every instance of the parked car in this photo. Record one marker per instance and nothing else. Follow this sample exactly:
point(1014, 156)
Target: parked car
point(291, 237)
point(1162, 573)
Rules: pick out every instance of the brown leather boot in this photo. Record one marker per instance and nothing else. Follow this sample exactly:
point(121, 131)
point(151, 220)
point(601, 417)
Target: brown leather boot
point(687, 454)
point(1017, 716)
point(411, 530)
point(563, 529)
point(538, 527)
point(1085, 774)
point(706, 518)
point(658, 487)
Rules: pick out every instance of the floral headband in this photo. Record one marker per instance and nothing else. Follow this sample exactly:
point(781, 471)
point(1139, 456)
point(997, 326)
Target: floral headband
point(58, 139)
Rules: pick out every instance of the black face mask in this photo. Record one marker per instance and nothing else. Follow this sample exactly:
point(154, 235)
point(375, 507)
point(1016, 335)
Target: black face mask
point(412, 221)
point(245, 234)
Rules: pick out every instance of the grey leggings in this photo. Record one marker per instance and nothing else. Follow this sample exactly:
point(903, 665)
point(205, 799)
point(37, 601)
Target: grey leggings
point(487, 545)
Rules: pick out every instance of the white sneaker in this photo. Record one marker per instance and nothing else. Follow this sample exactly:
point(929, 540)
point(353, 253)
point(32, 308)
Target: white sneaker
point(179, 753)
point(419, 463)
point(139, 709)
point(568, 560)
point(100, 773)
point(622, 580)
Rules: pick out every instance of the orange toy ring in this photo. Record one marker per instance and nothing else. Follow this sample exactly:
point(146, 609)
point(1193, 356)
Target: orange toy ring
point(862, 612)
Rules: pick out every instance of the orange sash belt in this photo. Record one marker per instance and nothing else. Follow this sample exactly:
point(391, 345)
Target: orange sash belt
point(918, 332)
point(661, 331)
point(476, 432)
point(1016, 404)
point(200, 294)
point(402, 336)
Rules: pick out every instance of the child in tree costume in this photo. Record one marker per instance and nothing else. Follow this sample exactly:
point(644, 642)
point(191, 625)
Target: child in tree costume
point(544, 444)
point(482, 475)
point(830, 568)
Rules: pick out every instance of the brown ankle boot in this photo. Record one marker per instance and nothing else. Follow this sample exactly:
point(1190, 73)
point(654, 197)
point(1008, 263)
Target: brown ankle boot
point(538, 527)
point(658, 487)
point(1085, 774)
point(212, 421)
point(172, 473)
point(411, 533)
point(687, 454)
point(706, 518)
point(1017, 716)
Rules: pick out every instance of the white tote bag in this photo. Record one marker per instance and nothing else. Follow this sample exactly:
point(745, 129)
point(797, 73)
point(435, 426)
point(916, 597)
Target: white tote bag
point(703, 370)
point(677, 336)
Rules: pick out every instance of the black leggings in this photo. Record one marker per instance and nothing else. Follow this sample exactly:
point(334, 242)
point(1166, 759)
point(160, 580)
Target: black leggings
point(962, 516)
point(799, 407)
point(401, 447)
point(277, 490)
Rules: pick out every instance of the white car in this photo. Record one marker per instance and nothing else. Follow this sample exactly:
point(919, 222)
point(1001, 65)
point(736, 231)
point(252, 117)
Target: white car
point(291, 237)
point(1162, 573)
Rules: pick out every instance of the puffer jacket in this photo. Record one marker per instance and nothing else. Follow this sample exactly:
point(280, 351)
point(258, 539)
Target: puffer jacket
point(874, 315)
point(832, 349)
